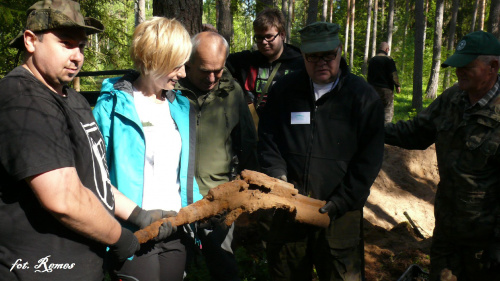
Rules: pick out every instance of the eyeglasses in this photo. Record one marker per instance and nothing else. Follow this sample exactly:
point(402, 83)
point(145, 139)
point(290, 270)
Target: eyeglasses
point(269, 38)
point(326, 57)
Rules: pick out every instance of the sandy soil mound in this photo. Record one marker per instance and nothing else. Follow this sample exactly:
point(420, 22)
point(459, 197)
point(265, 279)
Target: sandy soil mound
point(407, 183)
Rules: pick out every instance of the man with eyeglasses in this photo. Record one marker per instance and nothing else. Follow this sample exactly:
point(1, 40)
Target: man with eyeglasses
point(383, 76)
point(256, 71)
point(322, 130)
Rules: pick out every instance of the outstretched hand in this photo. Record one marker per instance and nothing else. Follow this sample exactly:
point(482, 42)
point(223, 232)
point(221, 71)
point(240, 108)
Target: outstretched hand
point(329, 208)
point(143, 218)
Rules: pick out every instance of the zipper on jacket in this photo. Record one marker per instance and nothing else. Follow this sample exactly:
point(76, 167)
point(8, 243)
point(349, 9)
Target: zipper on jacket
point(309, 151)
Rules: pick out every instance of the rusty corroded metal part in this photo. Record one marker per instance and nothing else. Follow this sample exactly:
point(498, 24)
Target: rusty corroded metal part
point(252, 191)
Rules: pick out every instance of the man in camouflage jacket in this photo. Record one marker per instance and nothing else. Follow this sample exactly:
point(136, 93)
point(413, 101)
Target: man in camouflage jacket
point(464, 123)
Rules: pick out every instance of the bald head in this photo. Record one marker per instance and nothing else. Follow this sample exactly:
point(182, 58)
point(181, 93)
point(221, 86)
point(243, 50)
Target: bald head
point(209, 39)
point(384, 46)
point(207, 60)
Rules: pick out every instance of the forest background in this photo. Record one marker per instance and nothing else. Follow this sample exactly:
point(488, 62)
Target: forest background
point(422, 33)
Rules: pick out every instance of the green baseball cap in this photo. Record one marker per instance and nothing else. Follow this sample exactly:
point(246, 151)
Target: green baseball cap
point(52, 14)
point(319, 37)
point(471, 46)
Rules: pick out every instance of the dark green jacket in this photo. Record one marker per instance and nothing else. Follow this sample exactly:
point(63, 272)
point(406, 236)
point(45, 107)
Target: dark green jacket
point(224, 129)
point(467, 205)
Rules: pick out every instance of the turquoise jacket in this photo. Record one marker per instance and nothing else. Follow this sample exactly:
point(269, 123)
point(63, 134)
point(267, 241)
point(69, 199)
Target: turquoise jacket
point(122, 131)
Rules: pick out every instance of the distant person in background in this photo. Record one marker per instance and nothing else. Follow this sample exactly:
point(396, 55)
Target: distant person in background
point(464, 124)
point(257, 71)
point(146, 126)
point(383, 76)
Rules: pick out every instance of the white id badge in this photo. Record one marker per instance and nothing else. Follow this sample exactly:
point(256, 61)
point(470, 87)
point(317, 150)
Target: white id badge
point(300, 118)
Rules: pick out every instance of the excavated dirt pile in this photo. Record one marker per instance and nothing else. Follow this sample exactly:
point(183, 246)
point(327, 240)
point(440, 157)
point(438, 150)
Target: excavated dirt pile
point(407, 183)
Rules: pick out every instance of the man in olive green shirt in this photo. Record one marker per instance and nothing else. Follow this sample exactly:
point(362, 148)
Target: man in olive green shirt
point(225, 137)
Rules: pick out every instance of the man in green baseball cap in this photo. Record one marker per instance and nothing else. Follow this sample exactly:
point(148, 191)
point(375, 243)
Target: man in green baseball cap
point(57, 206)
point(464, 124)
point(322, 130)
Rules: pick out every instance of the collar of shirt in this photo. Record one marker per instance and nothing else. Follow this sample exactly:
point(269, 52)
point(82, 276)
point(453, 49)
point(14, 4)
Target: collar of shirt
point(489, 96)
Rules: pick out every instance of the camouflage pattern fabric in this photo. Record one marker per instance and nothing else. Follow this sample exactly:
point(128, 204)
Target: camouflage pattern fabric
point(467, 142)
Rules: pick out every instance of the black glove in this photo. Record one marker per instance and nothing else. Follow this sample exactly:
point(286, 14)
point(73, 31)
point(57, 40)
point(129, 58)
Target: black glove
point(126, 246)
point(282, 177)
point(143, 218)
point(329, 208)
point(213, 222)
point(166, 229)
point(491, 255)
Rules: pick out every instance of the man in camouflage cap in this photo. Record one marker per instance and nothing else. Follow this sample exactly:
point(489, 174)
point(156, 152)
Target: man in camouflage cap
point(322, 130)
point(464, 124)
point(57, 206)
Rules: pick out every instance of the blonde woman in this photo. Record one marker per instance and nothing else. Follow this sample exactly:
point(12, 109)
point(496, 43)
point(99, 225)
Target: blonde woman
point(146, 127)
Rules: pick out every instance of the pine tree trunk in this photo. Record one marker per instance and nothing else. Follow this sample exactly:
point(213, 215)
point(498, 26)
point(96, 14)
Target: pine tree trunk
point(325, 10)
point(312, 12)
point(494, 19)
point(474, 16)
point(405, 33)
point(347, 23)
point(284, 10)
point(482, 8)
point(426, 6)
point(364, 68)
point(382, 19)
point(418, 63)
point(390, 23)
point(189, 12)
point(374, 35)
point(451, 43)
point(224, 21)
point(331, 10)
point(432, 85)
point(353, 12)
point(140, 11)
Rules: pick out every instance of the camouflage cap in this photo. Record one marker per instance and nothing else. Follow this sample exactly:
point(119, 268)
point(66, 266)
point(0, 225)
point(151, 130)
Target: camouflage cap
point(471, 46)
point(319, 37)
point(52, 14)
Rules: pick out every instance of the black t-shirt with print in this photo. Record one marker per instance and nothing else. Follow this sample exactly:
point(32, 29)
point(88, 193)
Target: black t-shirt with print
point(41, 131)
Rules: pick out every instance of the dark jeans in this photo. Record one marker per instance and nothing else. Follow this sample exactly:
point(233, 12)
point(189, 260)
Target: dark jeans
point(336, 252)
point(387, 97)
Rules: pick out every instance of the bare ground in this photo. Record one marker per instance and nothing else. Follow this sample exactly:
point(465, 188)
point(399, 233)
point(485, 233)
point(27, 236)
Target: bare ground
point(407, 183)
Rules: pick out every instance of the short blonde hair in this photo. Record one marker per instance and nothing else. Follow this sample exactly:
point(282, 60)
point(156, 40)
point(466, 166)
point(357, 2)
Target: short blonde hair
point(160, 45)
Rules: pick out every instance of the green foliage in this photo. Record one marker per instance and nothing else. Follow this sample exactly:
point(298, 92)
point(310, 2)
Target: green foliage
point(12, 21)
point(110, 49)
point(402, 104)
